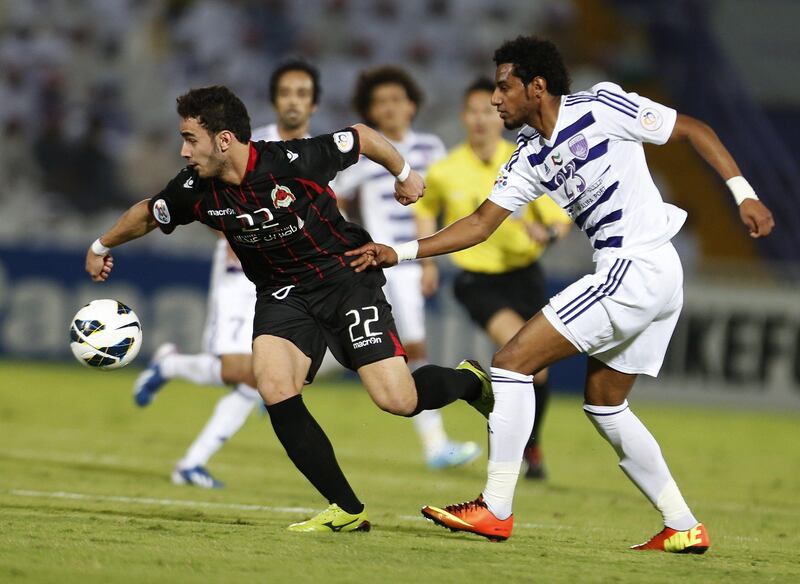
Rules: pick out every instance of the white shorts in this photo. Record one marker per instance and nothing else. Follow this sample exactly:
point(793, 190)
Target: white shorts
point(403, 290)
point(623, 314)
point(231, 306)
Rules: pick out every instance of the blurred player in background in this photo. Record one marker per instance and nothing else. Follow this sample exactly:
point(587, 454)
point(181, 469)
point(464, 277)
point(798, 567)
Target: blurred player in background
point(586, 151)
point(228, 336)
point(387, 99)
point(501, 284)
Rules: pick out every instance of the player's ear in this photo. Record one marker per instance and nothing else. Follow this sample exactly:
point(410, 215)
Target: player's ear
point(537, 87)
point(224, 140)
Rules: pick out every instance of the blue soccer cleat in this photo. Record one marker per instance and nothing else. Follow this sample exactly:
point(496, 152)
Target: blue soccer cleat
point(454, 454)
point(150, 381)
point(196, 476)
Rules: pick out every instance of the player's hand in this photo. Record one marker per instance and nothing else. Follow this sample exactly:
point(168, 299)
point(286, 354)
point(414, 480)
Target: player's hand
point(99, 266)
point(372, 255)
point(756, 217)
point(430, 278)
point(410, 190)
point(538, 232)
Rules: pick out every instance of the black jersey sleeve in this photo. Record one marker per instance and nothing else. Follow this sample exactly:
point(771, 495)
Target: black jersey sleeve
point(175, 205)
point(323, 156)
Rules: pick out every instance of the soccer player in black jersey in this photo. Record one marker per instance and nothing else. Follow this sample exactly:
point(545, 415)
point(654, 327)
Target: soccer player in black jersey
point(273, 204)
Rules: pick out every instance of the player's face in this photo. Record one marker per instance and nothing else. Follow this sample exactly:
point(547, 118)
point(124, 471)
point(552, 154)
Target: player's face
point(294, 100)
point(200, 149)
point(390, 109)
point(511, 98)
point(480, 117)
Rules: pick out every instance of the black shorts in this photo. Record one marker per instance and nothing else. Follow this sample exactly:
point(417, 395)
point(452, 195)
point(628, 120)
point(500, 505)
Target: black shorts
point(484, 295)
point(350, 316)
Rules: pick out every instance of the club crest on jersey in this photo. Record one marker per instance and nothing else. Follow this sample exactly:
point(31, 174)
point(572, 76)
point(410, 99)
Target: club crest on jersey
point(650, 119)
point(343, 141)
point(556, 158)
point(282, 197)
point(161, 212)
point(579, 146)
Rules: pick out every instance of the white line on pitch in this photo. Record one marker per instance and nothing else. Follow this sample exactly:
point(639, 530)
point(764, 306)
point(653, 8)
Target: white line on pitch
point(211, 505)
point(153, 501)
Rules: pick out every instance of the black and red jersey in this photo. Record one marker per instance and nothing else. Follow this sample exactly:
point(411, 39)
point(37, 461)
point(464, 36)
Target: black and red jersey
point(282, 220)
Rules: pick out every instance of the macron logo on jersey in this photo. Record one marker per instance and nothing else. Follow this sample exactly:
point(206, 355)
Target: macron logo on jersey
point(292, 156)
point(189, 183)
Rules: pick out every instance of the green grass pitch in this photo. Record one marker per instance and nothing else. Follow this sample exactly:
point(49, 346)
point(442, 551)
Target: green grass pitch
point(85, 493)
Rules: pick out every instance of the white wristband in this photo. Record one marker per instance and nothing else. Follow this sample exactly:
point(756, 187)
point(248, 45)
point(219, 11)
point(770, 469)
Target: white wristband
point(99, 249)
point(741, 189)
point(406, 251)
point(404, 173)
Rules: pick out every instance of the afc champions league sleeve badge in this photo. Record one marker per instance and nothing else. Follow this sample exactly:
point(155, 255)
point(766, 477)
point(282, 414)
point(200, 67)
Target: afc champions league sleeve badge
point(344, 141)
point(651, 119)
point(161, 212)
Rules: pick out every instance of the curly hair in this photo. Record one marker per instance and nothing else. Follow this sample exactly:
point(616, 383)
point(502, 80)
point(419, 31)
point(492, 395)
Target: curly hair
point(533, 57)
point(216, 108)
point(295, 65)
point(370, 79)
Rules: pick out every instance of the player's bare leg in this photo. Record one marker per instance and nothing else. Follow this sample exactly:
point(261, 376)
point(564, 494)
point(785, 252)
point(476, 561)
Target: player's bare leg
point(501, 328)
point(641, 459)
point(281, 369)
point(537, 345)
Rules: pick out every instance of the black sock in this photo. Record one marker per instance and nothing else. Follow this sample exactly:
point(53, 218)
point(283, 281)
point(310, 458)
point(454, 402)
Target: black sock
point(311, 452)
point(439, 386)
point(542, 391)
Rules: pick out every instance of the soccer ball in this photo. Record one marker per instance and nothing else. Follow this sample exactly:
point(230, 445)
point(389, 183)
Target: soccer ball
point(105, 334)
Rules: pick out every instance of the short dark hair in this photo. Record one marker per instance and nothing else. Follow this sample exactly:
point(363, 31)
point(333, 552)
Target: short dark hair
point(371, 78)
point(480, 84)
point(216, 108)
point(533, 57)
point(295, 65)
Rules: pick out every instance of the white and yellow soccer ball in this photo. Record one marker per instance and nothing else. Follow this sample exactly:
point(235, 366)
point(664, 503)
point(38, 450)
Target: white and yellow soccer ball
point(105, 334)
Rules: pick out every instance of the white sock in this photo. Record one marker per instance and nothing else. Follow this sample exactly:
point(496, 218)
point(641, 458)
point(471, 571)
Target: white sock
point(229, 415)
point(202, 369)
point(641, 459)
point(510, 425)
point(430, 429)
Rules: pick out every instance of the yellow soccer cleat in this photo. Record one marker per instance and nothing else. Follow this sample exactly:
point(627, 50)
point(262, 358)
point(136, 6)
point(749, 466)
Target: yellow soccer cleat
point(691, 541)
point(333, 520)
point(485, 403)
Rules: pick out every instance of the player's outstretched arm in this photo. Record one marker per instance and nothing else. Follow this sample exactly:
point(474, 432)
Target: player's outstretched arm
point(466, 232)
point(753, 213)
point(134, 223)
point(409, 185)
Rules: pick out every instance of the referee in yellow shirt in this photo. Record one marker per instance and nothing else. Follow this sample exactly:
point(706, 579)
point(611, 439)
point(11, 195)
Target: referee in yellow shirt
point(501, 284)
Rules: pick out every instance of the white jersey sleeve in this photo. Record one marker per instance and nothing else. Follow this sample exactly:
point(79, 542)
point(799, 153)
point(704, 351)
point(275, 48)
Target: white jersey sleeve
point(515, 185)
point(629, 116)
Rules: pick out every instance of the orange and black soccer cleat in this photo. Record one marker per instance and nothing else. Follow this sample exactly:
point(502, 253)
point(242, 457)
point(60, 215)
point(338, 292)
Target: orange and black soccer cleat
point(472, 516)
point(691, 541)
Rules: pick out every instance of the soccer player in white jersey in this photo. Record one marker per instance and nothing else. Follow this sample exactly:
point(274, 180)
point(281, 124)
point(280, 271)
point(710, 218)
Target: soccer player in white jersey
point(227, 339)
point(387, 99)
point(585, 151)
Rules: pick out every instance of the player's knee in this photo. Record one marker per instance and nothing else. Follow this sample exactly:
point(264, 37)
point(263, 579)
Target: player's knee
point(507, 359)
point(274, 390)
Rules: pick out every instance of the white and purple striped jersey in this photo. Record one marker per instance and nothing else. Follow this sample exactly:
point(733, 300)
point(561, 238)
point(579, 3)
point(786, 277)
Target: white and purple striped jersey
point(386, 220)
point(594, 166)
